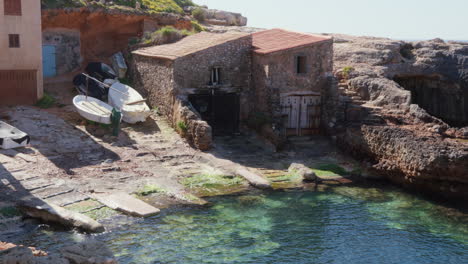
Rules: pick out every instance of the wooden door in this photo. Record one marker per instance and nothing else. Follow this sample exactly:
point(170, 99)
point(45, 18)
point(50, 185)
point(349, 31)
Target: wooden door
point(301, 114)
point(48, 61)
point(18, 87)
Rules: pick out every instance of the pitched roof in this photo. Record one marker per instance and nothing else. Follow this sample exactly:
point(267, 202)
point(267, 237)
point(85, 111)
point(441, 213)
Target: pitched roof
point(273, 40)
point(189, 45)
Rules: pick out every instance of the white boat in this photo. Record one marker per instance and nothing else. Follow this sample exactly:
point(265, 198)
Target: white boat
point(93, 109)
point(132, 105)
point(11, 137)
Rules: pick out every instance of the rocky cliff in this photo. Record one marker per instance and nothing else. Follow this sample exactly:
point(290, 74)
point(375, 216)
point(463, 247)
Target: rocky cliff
point(403, 106)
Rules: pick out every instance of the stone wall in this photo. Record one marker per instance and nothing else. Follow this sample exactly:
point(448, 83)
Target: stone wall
point(193, 72)
point(67, 47)
point(198, 133)
point(154, 79)
point(275, 74)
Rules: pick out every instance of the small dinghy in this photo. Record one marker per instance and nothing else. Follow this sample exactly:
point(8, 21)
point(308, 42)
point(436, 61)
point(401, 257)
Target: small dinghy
point(93, 109)
point(132, 105)
point(11, 137)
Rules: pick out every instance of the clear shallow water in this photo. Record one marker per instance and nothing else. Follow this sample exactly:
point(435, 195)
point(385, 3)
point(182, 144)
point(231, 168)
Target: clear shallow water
point(345, 225)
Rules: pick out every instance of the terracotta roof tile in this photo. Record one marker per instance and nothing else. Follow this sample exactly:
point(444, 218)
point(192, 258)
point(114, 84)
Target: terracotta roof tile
point(189, 45)
point(273, 40)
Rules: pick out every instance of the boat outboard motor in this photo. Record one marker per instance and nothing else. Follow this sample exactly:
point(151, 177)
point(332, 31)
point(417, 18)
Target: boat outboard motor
point(100, 71)
point(90, 87)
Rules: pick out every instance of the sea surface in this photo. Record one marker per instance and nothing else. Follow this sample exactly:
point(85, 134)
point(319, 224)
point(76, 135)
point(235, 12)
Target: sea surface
point(340, 225)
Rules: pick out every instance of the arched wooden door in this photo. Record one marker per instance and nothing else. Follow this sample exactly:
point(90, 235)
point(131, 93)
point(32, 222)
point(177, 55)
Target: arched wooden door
point(301, 114)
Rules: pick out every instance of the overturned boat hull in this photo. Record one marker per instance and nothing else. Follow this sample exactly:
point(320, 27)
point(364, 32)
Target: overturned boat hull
point(130, 102)
point(11, 137)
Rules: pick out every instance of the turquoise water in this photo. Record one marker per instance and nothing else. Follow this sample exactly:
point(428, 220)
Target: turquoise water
point(343, 225)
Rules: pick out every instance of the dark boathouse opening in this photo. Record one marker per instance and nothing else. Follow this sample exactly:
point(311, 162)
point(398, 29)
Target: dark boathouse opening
point(441, 98)
point(220, 110)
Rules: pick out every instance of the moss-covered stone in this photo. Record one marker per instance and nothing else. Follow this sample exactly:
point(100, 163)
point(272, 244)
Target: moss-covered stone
point(85, 207)
point(207, 184)
point(151, 189)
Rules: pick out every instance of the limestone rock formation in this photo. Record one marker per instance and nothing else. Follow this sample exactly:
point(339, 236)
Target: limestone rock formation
point(404, 106)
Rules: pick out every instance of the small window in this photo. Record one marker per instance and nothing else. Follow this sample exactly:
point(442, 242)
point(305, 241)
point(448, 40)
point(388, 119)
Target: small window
point(301, 64)
point(215, 76)
point(14, 40)
point(12, 7)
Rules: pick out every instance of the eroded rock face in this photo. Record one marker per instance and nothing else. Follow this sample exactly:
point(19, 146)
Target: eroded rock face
point(419, 92)
point(104, 32)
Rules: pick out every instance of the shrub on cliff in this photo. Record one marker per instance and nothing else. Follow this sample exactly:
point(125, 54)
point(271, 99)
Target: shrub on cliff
point(197, 27)
point(184, 3)
point(164, 35)
point(62, 3)
point(168, 6)
point(199, 15)
point(150, 6)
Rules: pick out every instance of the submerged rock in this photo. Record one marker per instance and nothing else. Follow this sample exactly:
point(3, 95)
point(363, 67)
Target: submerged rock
point(304, 172)
point(91, 252)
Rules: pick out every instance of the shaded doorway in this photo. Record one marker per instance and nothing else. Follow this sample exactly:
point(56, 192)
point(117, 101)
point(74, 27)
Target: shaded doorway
point(441, 98)
point(301, 114)
point(220, 110)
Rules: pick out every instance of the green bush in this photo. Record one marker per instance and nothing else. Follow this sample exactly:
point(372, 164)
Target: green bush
point(347, 70)
point(151, 189)
point(47, 101)
point(182, 126)
point(199, 14)
point(168, 6)
point(129, 3)
point(184, 3)
point(165, 35)
point(197, 27)
point(167, 31)
point(151, 6)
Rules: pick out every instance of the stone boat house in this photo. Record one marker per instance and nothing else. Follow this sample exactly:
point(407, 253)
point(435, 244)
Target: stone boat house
point(20, 52)
point(271, 81)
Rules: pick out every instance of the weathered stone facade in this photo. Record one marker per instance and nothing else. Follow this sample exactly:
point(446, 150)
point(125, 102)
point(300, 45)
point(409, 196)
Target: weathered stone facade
point(173, 75)
point(169, 82)
point(274, 75)
point(192, 73)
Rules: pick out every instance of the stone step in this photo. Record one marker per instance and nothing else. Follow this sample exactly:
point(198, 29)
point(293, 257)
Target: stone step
point(34, 184)
point(52, 192)
point(127, 204)
point(68, 199)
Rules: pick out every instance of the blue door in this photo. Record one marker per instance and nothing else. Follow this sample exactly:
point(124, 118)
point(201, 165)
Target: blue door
point(48, 61)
